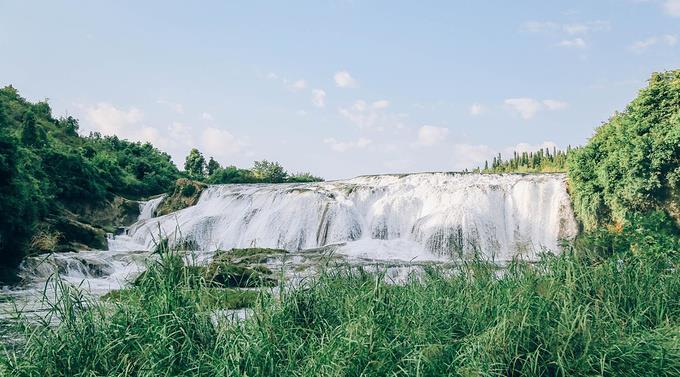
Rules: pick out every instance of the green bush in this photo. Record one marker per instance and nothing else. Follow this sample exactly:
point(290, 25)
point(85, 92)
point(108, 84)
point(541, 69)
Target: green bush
point(632, 164)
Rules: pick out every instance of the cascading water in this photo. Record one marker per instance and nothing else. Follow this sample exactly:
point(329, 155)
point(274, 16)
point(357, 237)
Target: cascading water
point(422, 216)
point(147, 209)
point(398, 219)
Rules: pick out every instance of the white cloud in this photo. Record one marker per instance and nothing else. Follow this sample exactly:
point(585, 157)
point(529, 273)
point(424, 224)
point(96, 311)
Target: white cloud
point(344, 146)
point(540, 26)
point(672, 7)
point(476, 109)
point(642, 45)
point(579, 28)
point(552, 104)
point(109, 120)
point(318, 98)
point(176, 107)
point(526, 147)
point(382, 104)
point(585, 28)
point(344, 80)
point(526, 107)
point(575, 43)
point(373, 115)
point(298, 85)
point(175, 139)
point(220, 143)
point(431, 135)
point(468, 156)
point(207, 116)
point(272, 76)
point(670, 40)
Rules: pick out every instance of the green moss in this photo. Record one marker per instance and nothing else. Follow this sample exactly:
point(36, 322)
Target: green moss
point(184, 194)
point(232, 275)
point(248, 255)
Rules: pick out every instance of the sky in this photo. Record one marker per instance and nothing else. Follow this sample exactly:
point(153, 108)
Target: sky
point(339, 88)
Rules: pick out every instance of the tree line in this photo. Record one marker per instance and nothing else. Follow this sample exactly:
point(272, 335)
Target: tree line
point(541, 161)
point(196, 168)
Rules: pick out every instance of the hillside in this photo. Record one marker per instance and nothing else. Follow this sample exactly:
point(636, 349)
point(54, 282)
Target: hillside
point(62, 191)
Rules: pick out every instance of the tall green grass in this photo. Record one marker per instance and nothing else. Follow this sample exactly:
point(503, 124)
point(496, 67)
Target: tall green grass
point(563, 316)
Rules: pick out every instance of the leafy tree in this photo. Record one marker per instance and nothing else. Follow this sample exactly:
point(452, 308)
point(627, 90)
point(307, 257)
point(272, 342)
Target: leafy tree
point(632, 163)
point(232, 174)
point(32, 135)
point(304, 177)
point(213, 166)
point(195, 164)
point(269, 171)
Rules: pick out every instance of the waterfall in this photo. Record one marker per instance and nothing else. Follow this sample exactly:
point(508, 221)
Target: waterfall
point(147, 209)
point(422, 216)
point(398, 219)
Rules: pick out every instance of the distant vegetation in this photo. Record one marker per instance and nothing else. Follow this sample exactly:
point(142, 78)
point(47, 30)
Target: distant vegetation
point(541, 161)
point(263, 171)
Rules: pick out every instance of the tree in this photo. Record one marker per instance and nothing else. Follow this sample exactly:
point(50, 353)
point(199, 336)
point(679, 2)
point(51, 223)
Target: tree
point(31, 134)
point(213, 166)
point(195, 164)
point(269, 171)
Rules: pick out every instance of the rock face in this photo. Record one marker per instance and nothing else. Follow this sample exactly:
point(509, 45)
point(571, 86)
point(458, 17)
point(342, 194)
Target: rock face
point(84, 226)
point(242, 268)
point(185, 194)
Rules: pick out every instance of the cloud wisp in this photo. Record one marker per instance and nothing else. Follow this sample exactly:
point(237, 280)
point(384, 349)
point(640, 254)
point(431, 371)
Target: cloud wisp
point(527, 108)
point(344, 80)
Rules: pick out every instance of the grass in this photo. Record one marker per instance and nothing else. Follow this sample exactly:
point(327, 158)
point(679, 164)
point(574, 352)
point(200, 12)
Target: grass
point(563, 316)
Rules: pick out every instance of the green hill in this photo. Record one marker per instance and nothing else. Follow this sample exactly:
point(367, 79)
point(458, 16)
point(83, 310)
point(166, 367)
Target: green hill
point(60, 190)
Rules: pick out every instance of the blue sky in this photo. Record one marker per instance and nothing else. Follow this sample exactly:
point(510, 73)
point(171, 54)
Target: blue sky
point(339, 88)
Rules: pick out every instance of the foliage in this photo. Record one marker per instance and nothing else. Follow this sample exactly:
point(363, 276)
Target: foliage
point(270, 172)
point(212, 166)
point(632, 163)
point(651, 236)
point(560, 317)
point(541, 161)
point(46, 167)
point(266, 171)
point(231, 174)
point(195, 164)
point(304, 177)
point(131, 169)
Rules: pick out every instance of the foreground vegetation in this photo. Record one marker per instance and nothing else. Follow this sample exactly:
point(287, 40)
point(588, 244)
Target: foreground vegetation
point(566, 315)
